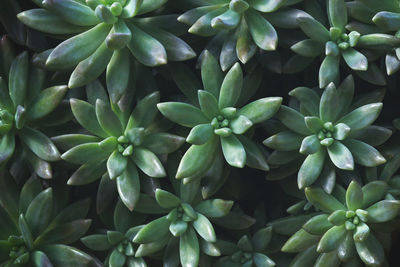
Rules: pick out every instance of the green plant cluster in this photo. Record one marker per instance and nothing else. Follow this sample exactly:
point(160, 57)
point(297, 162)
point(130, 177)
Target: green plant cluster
point(199, 133)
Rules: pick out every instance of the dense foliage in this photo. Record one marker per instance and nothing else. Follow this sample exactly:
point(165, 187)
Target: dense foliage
point(211, 133)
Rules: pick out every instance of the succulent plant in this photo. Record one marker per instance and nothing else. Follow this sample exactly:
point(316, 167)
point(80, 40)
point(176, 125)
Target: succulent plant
point(329, 127)
point(250, 251)
point(119, 144)
point(105, 33)
point(187, 221)
point(346, 227)
point(24, 106)
point(36, 233)
point(241, 27)
point(95, 95)
point(218, 123)
point(337, 42)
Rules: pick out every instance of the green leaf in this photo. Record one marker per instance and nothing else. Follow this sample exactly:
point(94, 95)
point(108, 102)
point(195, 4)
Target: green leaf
point(163, 143)
point(284, 141)
point(261, 109)
point(311, 169)
point(7, 146)
point(354, 196)
point(202, 26)
point(85, 153)
point(148, 162)
point(116, 164)
point(107, 119)
point(364, 154)
point(117, 259)
point(322, 200)
point(263, 33)
point(341, 131)
point(292, 119)
point(152, 231)
point(328, 71)
point(373, 192)
point(313, 29)
point(262, 260)
point(75, 12)
point(233, 151)
point(166, 199)
point(97, 242)
point(5, 98)
point(255, 154)
point(128, 186)
point(25, 231)
point(29, 191)
point(300, 241)
point(318, 224)
point(200, 134)
point(197, 159)
point(208, 103)
point(308, 48)
point(178, 228)
point(118, 74)
point(314, 124)
point(231, 87)
point(75, 49)
point(18, 79)
point(66, 233)
point(310, 145)
point(226, 21)
point(214, 208)
point(119, 36)
point(77, 210)
point(337, 12)
point(355, 60)
point(44, 21)
point(387, 20)
point(328, 106)
point(361, 233)
point(204, 228)
point(39, 211)
point(266, 6)
point(362, 116)
point(383, 211)
point(88, 173)
point(62, 255)
point(341, 156)
point(182, 113)
point(146, 49)
point(189, 248)
point(41, 259)
point(370, 251)
point(46, 102)
point(240, 124)
point(85, 114)
point(211, 74)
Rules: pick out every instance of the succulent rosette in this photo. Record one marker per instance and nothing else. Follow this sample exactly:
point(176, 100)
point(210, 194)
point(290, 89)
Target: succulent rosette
point(36, 230)
point(241, 27)
point(25, 107)
point(249, 251)
point(105, 33)
point(186, 230)
point(118, 242)
point(337, 42)
point(118, 144)
point(351, 227)
point(372, 17)
point(330, 131)
point(218, 124)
